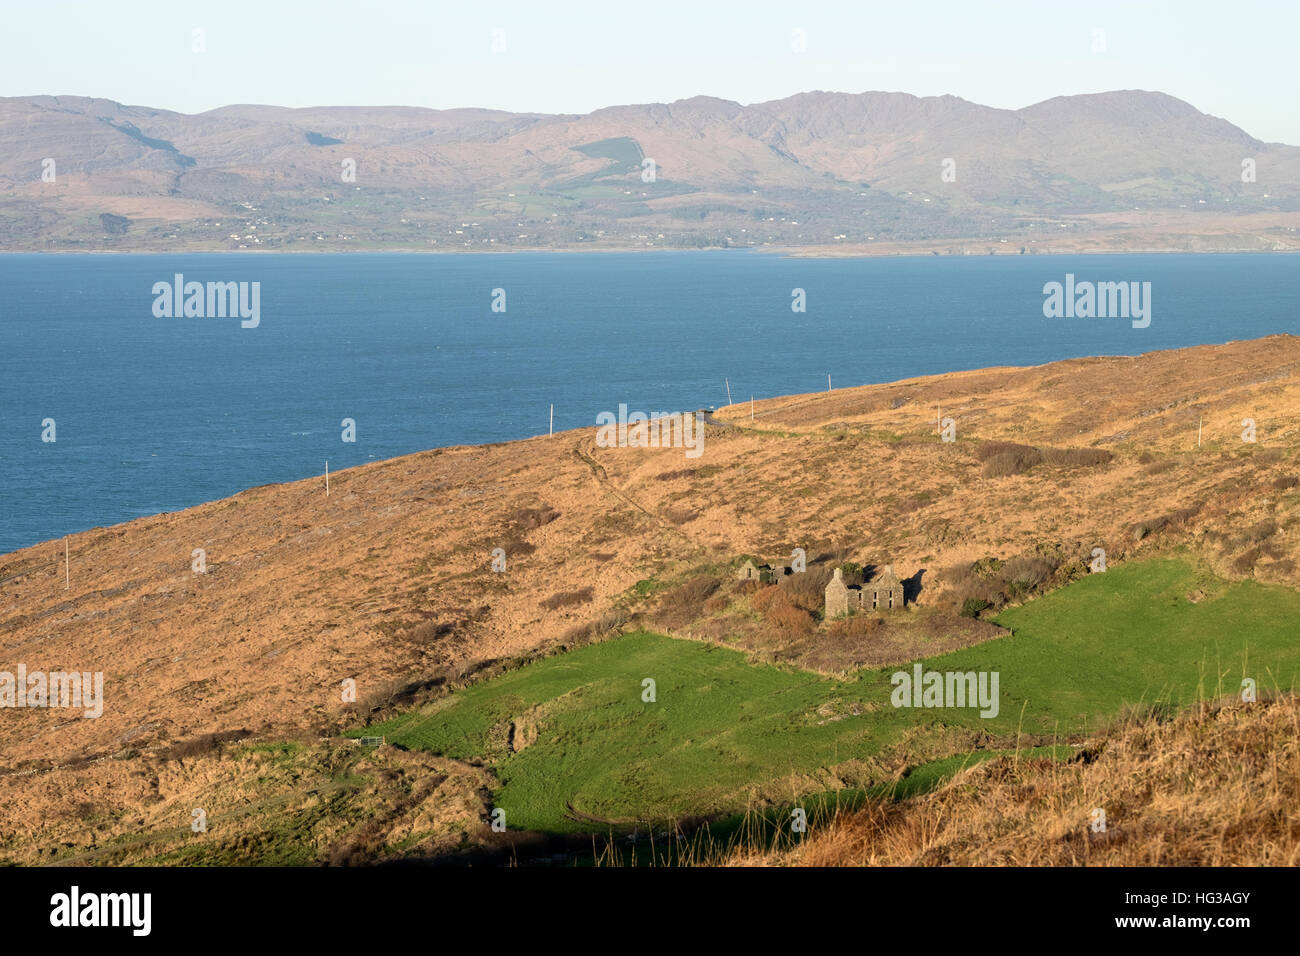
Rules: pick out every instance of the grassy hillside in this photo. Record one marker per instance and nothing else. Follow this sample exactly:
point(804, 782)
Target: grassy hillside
point(718, 726)
point(1158, 632)
point(388, 582)
point(573, 742)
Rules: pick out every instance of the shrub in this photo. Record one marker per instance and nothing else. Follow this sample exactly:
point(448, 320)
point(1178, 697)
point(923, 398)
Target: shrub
point(967, 582)
point(1011, 462)
point(568, 598)
point(807, 589)
point(990, 582)
point(429, 631)
point(529, 518)
point(1027, 573)
point(1011, 458)
point(765, 596)
point(694, 591)
point(1262, 531)
point(993, 449)
point(1246, 562)
point(516, 547)
point(1165, 522)
point(684, 603)
point(202, 744)
point(611, 621)
point(781, 612)
point(719, 602)
point(1076, 457)
point(679, 516)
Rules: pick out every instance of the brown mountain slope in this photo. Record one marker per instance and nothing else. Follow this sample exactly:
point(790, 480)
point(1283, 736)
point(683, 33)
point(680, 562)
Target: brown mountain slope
point(822, 170)
point(388, 581)
point(388, 578)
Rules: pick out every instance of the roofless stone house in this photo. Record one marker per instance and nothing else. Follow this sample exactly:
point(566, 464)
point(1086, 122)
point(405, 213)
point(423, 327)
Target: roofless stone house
point(884, 592)
point(762, 573)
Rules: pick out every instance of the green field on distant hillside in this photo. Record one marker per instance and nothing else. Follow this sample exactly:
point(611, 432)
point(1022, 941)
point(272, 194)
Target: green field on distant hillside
point(720, 726)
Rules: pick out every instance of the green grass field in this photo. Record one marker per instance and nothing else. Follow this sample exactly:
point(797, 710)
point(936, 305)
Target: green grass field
point(720, 726)
point(717, 724)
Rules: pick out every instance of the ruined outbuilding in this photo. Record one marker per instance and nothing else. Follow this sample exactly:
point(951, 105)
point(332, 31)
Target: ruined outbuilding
point(763, 573)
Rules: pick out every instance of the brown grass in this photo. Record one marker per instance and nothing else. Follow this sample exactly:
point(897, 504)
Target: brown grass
point(1219, 786)
point(305, 590)
point(856, 626)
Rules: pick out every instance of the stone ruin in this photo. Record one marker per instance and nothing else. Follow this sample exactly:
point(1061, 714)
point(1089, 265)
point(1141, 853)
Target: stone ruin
point(763, 573)
point(884, 592)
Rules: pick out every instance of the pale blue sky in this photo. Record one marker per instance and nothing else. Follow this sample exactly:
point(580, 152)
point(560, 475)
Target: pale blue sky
point(1233, 59)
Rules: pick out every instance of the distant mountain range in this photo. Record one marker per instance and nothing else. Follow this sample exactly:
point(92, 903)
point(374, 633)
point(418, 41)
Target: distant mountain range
point(824, 173)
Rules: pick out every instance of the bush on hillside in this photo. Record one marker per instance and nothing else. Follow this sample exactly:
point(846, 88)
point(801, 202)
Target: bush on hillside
point(1002, 458)
point(681, 605)
point(807, 590)
point(1076, 457)
point(568, 598)
point(529, 518)
point(1174, 519)
point(1014, 462)
point(780, 611)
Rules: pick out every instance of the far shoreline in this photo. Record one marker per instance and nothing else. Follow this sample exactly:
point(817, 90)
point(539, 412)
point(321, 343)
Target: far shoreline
point(789, 252)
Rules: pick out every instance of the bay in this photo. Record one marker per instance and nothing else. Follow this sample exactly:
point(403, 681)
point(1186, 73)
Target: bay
point(157, 414)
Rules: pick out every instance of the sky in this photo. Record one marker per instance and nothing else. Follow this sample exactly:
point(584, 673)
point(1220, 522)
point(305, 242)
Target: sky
point(1236, 60)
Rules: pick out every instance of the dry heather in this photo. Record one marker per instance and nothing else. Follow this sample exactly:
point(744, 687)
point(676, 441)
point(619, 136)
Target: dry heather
point(1215, 787)
point(389, 579)
point(303, 803)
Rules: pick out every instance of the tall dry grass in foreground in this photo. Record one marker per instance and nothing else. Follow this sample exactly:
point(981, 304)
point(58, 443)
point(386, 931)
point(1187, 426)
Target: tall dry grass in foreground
point(1219, 786)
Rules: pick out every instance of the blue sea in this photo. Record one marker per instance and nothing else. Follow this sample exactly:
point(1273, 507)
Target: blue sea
point(155, 414)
